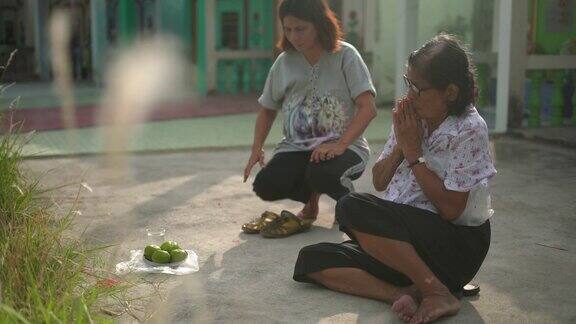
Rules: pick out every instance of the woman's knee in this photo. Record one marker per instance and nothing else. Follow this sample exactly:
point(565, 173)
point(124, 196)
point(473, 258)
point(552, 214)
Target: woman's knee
point(312, 253)
point(309, 256)
point(346, 206)
point(264, 187)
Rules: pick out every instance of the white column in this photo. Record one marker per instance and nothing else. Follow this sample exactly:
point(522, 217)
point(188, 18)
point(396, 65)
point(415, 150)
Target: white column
point(98, 40)
point(504, 60)
point(211, 71)
point(407, 39)
point(513, 15)
point(39, 9)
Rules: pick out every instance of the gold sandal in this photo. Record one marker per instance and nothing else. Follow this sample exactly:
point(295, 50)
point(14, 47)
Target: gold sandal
point(287, 224)
point(258, 225)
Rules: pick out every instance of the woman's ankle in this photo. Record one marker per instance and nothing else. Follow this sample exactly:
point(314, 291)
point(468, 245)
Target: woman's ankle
point(310, 210)
point(435, 290)
point(306, 215)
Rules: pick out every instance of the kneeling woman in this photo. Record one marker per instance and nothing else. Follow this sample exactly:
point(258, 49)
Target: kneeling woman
point(428, 232)
point(326, 96)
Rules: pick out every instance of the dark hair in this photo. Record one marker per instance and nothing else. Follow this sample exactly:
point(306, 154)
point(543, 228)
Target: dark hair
point(316, 12)
point(442, 61)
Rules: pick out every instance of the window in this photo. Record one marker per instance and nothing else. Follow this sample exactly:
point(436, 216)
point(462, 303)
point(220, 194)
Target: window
point(230, 30)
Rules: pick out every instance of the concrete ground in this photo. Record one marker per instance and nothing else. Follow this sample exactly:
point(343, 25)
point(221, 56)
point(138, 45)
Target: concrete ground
point(563, 135)
point(528, 276)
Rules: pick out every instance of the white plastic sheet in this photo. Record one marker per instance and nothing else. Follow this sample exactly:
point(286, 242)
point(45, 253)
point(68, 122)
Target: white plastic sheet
point(136, 264)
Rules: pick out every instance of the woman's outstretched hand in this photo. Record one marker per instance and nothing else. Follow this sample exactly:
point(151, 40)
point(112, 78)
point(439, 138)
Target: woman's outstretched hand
point(327, 151)
point(408, 129)
point(255, 157)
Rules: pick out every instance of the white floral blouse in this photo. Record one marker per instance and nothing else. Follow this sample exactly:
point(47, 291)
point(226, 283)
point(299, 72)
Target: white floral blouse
point(459, 153)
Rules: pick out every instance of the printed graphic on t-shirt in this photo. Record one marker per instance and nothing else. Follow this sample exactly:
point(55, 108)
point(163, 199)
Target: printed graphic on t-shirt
point(314, 120)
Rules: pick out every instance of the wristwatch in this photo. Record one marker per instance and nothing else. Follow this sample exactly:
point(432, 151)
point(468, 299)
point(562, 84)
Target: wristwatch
point(418, 161)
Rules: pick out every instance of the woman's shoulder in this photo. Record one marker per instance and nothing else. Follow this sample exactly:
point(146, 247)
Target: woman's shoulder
point(347, 49)
point(345, 46)
point(280, 59)
point(286, 58)
point(346, 54)
point(471, 122)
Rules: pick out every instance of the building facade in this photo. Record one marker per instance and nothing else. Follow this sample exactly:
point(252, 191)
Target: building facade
point(231, 42)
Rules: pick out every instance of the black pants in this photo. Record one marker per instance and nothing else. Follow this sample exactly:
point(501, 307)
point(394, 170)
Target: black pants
point(291, 175)
point(453, 253)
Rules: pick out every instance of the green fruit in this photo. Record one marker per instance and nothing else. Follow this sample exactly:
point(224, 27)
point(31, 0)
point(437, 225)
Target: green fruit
point(178, 255)
point(169, 246)
point(161, 256)
point(149, 250)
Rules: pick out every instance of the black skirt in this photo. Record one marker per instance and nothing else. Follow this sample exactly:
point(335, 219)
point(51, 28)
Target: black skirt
point(453, 252)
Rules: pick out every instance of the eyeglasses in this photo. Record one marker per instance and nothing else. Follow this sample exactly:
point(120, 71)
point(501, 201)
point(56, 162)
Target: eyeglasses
point(413, 87)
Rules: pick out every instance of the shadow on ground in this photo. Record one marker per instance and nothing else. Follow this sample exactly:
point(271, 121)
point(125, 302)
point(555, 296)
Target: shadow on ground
point(199, 197)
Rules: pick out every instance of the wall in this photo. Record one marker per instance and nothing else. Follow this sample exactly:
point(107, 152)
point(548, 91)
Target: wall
point(29, 21)
point(432, 14)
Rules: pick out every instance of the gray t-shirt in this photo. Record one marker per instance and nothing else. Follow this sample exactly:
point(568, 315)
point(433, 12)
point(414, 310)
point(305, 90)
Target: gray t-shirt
point(317, 101)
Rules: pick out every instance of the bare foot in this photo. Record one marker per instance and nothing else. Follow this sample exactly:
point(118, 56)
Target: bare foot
point(308, 212)
point(434, 307)
point(311, 209)
point(405, 308)
point(406, 304)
